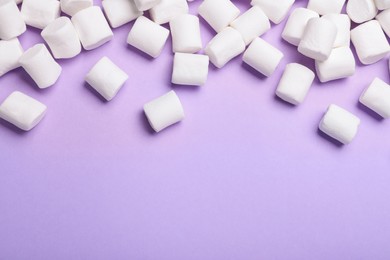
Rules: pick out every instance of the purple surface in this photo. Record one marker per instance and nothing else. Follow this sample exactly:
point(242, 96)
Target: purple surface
point(244, 176)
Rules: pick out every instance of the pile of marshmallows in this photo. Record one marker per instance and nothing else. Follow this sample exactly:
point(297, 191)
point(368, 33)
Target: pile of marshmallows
point(319, 31)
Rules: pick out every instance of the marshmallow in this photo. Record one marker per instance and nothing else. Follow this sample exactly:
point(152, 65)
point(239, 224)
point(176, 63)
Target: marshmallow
point(166, 10)
point(11, 21)
point(340, 124)
point(318, 39)
point(22, 111)
point(382, 4)
point(276, 10)
point(218, 13)
point(326, 7)
point(71, 7)
point(144, 5)
point(251, 24)
point(225, 46)
point(361, 11)
point(377, 98)
point(384, 19)
point(40, 65)
point(185, 31)
point(120, 12)
point(190, 69)
point(148, 36)
point(92, 27)
point(39, 13)
point(164, 111)
point(62, 38)
point(10, 52)
point(295, 83)
point(106, 78)
point(370, 42)
point(343, 24)
point(296, 25)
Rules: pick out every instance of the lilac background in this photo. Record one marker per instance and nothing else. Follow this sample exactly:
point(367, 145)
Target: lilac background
point(244, 176)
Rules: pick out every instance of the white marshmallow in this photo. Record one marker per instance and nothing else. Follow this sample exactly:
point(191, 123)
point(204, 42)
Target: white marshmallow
point(318, 39)
point(144, 5)
point(377, 97)
point(40, 65)
point(166, 10)
point(251, 24)
point(190, 69)
point(361, 11)
point(218, 13)
point(106, 78)
point(10, 52)
point(120, 12)
point(295, 83)
point(164, 111)
point(22, 111)
point(382, 4)
point(384, 19)
point(225, 46)
point(370, 42)
point(62, 38)
point(276, 10)
point(39, 13)
point(340, 124)
point(296, 24)
point(11, 21)
point(326, 6)
point(92, 27)
point(71, 7)
point(343, 24)
point(148, 36)
point(185, 31)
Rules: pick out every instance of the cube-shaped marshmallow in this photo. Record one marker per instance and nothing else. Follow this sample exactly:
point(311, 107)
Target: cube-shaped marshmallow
point(185, 31)
point(120, 12)
point(218, 13)
point(39, 13)
point(275, 10)
point(11, 20)
point(190, 69)
point(166, 10)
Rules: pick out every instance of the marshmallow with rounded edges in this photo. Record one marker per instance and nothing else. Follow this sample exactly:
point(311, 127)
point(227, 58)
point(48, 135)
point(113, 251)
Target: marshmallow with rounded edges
point(384, 19)
point(148, 36)
point(120, 12)
point(295, 83)
point(39, 13)
point(318, 39)
point(164, 111)
point(296, 25)
point(62, 38)
point(185, 31)
point(382, 4)
point(92, 27)
point(71, 7)
point(326, 7)
point(361, 11)
point(10, 52)
point(377, 97)
point(22, 111)
point(251, 24)
point(40, 65)
point(225, 46)
point(218, 13)
point(166, 10)
point(343, 24)
point(340, 124)
point(370, 42)
point(144, 5)
point(11, 20)
point(262, 56)
point(276, 10)
point(190, 69)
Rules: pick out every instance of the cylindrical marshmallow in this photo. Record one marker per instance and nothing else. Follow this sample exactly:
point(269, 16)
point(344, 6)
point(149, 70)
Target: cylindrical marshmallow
point(11, 21)
point(384, 19)
point(120, 12)
point(326, 6)
point(185, 31)
point(343, 24)
point(276, 10)
point(148, 36)
point(377, 97)
point(144, 5)
point(382, 4)
point(361, 11)
point(71, 7)
point(10, 52)
point(225, 46)
point(251, 24)
point(40, 65)
point(166, 10)
point(92, 27)
point(22, 111)
point(62, 38)
point(218, 13)
point(190, 69)
point(164, 111)
point(39, 13)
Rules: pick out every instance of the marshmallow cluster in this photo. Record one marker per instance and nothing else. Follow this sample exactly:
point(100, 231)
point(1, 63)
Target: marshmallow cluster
point(71, 7)
point(166, 10)
point(39, 13)
point(275, 10)
point(11, 20)
point(120, 12)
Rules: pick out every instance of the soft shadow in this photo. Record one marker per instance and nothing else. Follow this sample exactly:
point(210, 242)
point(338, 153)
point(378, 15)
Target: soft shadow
point(373, 114)
point(95, 93)
point(252, 71)
point(284, 103)
point(139, 52)
point(330, 139)
point(13, 128)
point(145, 123)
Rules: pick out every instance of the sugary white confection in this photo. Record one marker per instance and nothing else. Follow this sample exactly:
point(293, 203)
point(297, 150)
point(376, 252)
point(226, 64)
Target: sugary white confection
point(326, 6)
point(166, 10)
point(71, 7)
point(148, 36)
point(225, 46)
point(384, 20)
point(22, 111)
point(164, 111)
point(343, 24)
point(62, 38)
point(11, 21)
point(295, 83)
point(190, 69)
point(185, 31)
point(106, 78)
point(262, 56)
point(40, 65)
point(382, 4)
point(39, 13)
point(340, 64)
point(10, 52)
point(218, 13)
point(340, 124)
point(120, 12)
point(370, 42)
point(251, 24)
point(361, 11)
point(377, 97)
point(92, 27)
point(276, 10)
point(296, 25)
point(144, 5)
point(318, 39)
